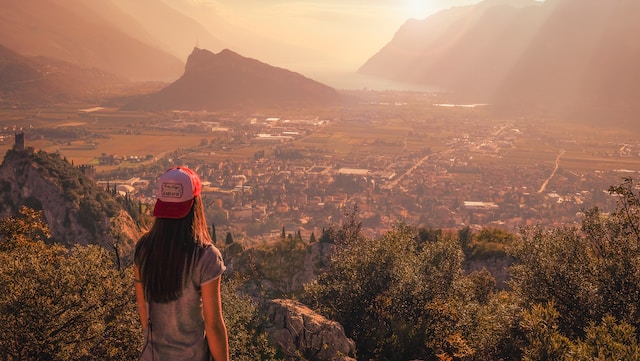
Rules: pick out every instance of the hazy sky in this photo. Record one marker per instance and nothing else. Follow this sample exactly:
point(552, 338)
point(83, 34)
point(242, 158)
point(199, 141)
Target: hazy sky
point(346, 32)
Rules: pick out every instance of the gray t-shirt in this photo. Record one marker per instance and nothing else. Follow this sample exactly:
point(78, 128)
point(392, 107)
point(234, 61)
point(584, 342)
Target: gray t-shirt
point(177, 328)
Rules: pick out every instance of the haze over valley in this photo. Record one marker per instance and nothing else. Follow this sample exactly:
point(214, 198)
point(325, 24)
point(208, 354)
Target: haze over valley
point(280, 148)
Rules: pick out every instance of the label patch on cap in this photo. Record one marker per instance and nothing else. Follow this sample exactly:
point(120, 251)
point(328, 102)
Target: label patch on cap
point(172, 190)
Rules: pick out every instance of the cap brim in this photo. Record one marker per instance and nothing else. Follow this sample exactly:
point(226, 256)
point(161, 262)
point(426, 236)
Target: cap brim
point(174, 210)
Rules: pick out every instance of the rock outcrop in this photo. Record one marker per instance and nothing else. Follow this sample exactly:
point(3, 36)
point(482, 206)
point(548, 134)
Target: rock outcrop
point(300, 332)
point(76, 210)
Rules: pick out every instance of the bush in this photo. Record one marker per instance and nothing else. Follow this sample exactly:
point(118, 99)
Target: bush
point(401, 298)
point(60, 304)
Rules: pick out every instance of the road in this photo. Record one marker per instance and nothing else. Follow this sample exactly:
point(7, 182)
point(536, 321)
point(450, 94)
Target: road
point(395, 182)
point(555, 169)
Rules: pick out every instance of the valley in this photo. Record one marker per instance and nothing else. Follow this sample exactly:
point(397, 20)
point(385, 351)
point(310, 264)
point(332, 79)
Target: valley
point(396, 156)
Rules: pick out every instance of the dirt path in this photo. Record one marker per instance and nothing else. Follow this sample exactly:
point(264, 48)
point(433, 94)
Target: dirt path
point(555, 169)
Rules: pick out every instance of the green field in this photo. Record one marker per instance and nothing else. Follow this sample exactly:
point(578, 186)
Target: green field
point(382, 130)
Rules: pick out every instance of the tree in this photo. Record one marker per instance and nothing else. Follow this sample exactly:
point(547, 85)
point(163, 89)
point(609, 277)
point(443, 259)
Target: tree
point(605, 340)
point(465, 236)
point(60, 304)
point(588, 273)
point(27, 227)
point(327, 235)
point(400, 298)
point(609, 340)
point(556, 266)
point(228, 239)
point(545, 341)
point(247, 327)
point(213, 233)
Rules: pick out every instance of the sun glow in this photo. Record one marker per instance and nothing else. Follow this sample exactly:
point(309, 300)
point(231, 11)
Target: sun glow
point(417, 9)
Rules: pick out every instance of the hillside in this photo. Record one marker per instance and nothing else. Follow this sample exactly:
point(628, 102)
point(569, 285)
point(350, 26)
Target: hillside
point(590, 70)
point(464, 49)
point(562, 55)
point(41, 80)
point(227, 80)
point(74, 207)
point(90, 34)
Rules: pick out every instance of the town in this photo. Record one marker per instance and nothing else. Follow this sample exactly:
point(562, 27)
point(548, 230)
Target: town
point(395, 157)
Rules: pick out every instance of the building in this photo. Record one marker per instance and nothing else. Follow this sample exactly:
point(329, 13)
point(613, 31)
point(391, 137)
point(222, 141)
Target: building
point(19, 141)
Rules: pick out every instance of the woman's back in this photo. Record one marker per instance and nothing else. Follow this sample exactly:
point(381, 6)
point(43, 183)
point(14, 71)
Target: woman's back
point(177, 328)
point(178, 273)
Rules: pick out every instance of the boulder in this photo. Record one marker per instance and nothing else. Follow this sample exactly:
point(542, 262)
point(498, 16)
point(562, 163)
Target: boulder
point(301, 332)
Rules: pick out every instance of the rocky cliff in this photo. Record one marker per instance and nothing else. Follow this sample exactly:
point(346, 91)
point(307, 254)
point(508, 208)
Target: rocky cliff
point(300, 332)
point(75, 208)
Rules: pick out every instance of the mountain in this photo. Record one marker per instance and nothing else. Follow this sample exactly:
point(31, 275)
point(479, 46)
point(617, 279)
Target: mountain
point(566, 55)
point(463, 49)
point(41, 80)
point(246, 40)
point(228, 80)
point(169, 28)
point(76, 210)
point(141, 39)
point(584, 61)
point(90, 34)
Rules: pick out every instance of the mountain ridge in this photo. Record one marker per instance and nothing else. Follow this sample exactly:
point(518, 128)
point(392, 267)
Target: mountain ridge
point(541, 56)
point(77, 33)
point(455, 49)
point(227, 79)
point(41, 80)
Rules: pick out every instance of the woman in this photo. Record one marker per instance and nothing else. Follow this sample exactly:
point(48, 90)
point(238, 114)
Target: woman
point(178, 272)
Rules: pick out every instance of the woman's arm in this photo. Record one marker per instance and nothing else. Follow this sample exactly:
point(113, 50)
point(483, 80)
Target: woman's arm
point(213, 321)
point(142, 303)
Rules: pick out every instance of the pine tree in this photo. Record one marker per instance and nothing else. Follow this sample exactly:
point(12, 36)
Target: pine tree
point(213, 233)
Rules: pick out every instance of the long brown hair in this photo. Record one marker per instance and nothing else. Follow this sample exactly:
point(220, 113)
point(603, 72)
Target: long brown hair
point(166, 254)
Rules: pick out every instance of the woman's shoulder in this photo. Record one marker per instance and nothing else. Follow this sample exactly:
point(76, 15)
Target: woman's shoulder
point(210, 250)
point(211, 264)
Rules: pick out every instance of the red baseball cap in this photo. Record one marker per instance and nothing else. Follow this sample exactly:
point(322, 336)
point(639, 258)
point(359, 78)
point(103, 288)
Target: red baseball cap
point(177, 188)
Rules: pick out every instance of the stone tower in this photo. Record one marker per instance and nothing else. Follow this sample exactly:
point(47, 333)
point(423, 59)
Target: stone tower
point(19, 144)
point(89, 171)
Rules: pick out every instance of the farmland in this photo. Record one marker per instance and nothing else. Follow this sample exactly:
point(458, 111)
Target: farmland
point(384, 127)
point(423, 159)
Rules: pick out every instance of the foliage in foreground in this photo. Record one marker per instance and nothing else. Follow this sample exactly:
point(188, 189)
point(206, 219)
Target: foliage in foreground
point(575, 293)
point(246, 326)
point(404, 297)
point(78, 304)
point(60, 304)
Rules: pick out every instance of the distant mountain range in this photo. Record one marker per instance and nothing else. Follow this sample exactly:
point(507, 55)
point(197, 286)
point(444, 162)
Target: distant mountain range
point(139, 40)
point(41, 80)
point(558, 54)
point(93, 34)
point(53, 51)
point(229, 80)
point(575, 56)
